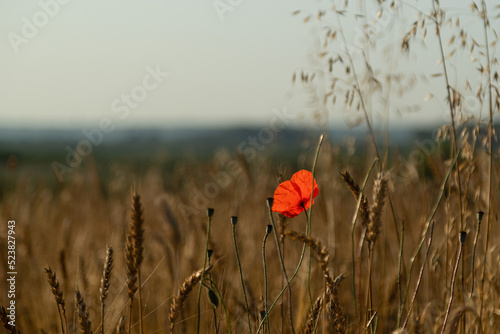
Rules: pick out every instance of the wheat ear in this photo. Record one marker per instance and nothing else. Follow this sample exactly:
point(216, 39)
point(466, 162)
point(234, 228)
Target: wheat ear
point(182, 294)
point(134, 255)
point(105, 281)
point(56, 290)
point(83, 314)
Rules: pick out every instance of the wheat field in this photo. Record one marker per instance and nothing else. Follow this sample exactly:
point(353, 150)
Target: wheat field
point(398, 240)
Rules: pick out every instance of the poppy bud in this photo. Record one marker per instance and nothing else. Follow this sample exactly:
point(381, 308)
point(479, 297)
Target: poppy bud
point(269, 229)
point(480, 215)
point(270, 202)
point(234, 220)
point(210, 212)
point(462, 236)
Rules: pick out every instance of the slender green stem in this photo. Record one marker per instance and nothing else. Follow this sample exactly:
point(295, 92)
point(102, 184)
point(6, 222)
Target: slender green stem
point(234, 220)
point(308, 230)
point(288, 281)
point(210, 213)
point(269, 228)
point(228, 321)
point(209, 255)
point(282, 262)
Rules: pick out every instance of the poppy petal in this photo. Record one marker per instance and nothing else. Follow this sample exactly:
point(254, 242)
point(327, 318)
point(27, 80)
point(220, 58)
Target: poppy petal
point(287, 200)
point(303, 180)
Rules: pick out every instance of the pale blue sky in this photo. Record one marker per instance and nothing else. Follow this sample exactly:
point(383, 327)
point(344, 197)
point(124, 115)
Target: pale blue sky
point(76, 67)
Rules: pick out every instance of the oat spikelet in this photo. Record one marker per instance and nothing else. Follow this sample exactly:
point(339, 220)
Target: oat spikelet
point(364, 208)
point(83, 314)
point(182, 294)
point(5, 321)
point(313, 316)
point(379, 195)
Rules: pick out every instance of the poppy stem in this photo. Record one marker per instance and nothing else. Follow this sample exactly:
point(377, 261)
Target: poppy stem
point(233, 221)
point(288, 281)
point(210, 213)
point(308, 233)
point(269, 228)
point(282, 262)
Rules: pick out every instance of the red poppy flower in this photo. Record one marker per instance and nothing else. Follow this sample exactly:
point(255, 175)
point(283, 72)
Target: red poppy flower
point(294, 196)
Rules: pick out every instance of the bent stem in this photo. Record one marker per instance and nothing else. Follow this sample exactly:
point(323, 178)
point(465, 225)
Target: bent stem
point(268, 230)
point(233, 221)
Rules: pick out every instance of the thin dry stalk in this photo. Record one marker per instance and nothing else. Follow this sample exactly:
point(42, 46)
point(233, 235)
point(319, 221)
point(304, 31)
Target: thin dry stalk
point(480, 216)
point(486, 23)
point(83, 314)
point(182, 294)
point(105, 281)
point(462, 236)
point(56, 290)
point(420, 275)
